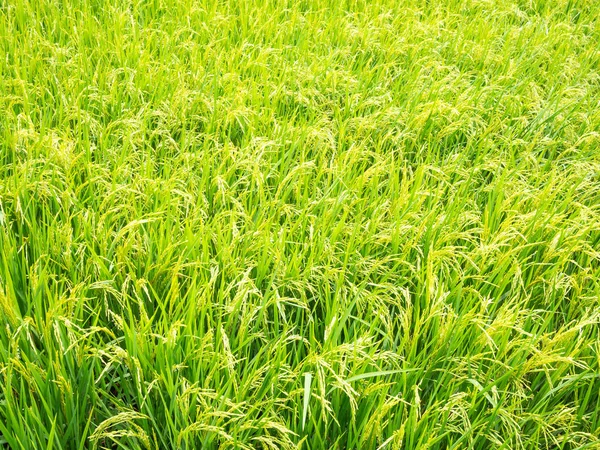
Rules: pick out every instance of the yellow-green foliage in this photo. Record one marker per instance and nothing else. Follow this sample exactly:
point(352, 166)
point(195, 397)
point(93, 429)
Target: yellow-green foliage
point(259, 224)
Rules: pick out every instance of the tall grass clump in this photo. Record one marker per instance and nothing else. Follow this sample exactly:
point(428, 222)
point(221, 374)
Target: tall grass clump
point(314, 224)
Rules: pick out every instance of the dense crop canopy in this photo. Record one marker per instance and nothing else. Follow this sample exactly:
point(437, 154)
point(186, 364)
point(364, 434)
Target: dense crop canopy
point(259, 224)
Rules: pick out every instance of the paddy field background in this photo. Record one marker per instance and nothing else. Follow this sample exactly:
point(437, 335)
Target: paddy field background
point(256, 224)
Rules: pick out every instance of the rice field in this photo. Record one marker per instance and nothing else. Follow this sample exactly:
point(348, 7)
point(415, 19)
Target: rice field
point(299, 224)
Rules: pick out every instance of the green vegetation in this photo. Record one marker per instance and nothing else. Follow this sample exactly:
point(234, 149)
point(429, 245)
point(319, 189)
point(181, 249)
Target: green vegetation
point(249, 224)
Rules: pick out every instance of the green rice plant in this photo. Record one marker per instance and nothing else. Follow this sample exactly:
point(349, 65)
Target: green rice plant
point(299, 224)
